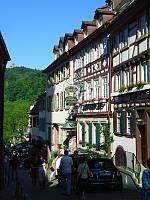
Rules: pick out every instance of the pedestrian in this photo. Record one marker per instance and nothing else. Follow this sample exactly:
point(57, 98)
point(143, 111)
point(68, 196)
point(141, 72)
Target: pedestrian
point(34, 171)
point(83, 176)
point(42, 170)
point(53, 167)
point(75, 158)
point(13, 166)
point(66, 165)
point(146, 181)
point(6, 168)
point(58, 173)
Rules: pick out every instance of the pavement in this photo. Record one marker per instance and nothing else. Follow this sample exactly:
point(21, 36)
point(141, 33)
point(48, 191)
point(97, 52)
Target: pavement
point(24, 190)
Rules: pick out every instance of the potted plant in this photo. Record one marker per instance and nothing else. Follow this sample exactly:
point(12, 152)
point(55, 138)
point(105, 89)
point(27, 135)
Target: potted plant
point(122, 89)
point(130, 87)
point(140, 85)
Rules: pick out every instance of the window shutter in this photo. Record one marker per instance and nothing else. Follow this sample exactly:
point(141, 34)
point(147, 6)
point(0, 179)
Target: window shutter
point(123, 123)
point(52, 108)
point(97, 136)
point(115, 122)
point(90, 134)
point(133, 123)
point(83, 134)
point(61, 94)
point(54, 102)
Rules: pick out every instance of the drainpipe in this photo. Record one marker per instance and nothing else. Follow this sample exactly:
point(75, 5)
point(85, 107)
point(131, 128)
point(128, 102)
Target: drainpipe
point(1, 126)
point(110, 91)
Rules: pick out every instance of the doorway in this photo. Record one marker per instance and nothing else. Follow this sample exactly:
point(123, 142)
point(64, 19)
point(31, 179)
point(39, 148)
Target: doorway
point(142, 131)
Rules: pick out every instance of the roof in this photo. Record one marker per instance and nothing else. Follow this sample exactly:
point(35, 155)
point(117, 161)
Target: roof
point(100, 11)
point(88, 23)
point(55, 48)
point(3, 45)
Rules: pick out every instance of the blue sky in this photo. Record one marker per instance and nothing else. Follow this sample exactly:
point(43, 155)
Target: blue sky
point(31, 27)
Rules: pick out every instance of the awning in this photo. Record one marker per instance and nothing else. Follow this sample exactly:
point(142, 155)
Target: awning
point(69, 125)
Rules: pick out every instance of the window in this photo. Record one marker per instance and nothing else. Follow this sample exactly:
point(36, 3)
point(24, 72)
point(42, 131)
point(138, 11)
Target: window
point(67, 70)
point(116, 42)
point(61, 101)
point(142, 26)
point(132, 32)
point(124, 41)
point(118, 122)
point(89, 90)
point(105, 45)
point(97, 51)
point(144, 72)
point(134, 75)
point(96, 88)
point(117, 80)
point(35, 122)
point(126, 77)
point(105, 86)
point(57, 101)
point(128, 123)
point(59, 75)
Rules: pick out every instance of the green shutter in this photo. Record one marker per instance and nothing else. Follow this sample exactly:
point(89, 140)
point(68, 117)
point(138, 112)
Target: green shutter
point(133, 123)
point(90, 134)
point(115, 122)
point(123, 123)
point(97, 136)
point(83, 134)
point(107, 137)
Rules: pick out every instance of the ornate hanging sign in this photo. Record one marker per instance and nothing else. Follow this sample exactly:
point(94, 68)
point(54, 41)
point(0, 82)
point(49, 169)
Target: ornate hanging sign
point(71, 90)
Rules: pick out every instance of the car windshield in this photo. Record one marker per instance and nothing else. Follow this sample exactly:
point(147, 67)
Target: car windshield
point(101, 164)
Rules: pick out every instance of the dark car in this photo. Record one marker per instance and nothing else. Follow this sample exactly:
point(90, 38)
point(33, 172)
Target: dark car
point(104, 173)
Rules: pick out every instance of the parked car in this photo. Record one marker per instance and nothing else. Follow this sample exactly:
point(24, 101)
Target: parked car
point(104, 173)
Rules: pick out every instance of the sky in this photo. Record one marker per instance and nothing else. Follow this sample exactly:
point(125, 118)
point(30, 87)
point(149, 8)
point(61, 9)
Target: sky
point(31, 28)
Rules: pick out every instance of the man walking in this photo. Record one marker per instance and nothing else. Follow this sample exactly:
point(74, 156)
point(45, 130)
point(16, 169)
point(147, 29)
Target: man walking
point(66, 165)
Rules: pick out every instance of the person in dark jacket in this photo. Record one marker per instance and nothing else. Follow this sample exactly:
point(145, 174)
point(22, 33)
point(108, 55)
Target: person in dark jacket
point(146, 181)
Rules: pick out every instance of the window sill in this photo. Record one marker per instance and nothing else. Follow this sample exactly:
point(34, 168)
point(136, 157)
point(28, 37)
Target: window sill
point(141, 38)
point(124, 48)
point(116, 53)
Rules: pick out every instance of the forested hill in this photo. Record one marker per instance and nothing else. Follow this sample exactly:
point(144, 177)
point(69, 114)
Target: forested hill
point(22, 87)
point(23, 84)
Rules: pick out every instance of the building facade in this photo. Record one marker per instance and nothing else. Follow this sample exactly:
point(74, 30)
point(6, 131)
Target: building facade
point(4, 58)
point(106, 62)
point(131, 79)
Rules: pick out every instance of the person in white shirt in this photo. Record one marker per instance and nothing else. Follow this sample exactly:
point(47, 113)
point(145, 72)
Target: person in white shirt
point(66, 165)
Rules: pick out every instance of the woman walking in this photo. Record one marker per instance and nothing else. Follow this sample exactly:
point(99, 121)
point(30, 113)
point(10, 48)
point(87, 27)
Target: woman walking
point(83, 175)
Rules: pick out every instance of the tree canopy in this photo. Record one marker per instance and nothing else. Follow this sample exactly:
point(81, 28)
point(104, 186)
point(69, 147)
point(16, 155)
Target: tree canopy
point(22, 88)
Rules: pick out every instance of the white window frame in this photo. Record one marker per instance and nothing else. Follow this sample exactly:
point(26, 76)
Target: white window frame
point(128, 123)
point(105, 86)
point(118, 122)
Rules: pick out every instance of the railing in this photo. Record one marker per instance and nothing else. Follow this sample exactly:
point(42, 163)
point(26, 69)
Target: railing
point(129, 162)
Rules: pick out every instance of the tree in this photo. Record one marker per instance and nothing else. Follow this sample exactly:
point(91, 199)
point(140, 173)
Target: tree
point(15, 118)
